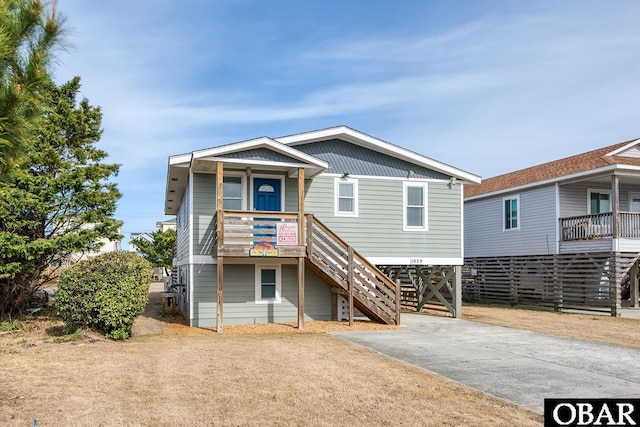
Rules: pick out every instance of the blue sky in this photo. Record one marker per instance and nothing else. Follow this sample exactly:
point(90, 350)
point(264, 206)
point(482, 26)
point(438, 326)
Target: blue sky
point(485, 86)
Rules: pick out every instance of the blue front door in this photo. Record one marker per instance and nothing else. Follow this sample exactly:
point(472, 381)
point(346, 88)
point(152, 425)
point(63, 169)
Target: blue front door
point(267, 194)
point(266, 197)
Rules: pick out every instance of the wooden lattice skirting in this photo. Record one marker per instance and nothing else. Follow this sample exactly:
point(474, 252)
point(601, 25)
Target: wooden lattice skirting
point(579, 281)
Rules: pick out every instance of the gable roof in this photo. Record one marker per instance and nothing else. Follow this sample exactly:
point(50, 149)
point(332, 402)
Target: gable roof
point(263, 152)
point(353, 136)
point(345, 157)
point(291, 152)
point(612, 157)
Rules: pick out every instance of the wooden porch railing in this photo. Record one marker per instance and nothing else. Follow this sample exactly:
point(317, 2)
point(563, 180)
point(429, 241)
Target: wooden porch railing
point(629, 225)
point(599, 226)
point(368, 288)
point(248, 227)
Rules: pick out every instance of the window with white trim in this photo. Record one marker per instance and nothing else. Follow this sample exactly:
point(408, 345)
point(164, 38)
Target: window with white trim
point(268, 284)
point(346, 197)
point(415, 206)
point(511, 213)
point(232, 193)
point(599, 201)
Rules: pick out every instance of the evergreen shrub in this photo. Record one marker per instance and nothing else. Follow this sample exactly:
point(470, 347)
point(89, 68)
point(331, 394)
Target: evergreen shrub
point(107, 291)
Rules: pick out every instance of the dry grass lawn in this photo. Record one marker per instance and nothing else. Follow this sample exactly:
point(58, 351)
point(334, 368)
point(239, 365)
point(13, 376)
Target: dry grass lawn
point(252, 375)
point(251, 379)
point(589, 327)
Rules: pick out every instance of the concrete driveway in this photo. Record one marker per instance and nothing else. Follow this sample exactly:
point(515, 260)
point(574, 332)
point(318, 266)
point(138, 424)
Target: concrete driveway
point(518, 366)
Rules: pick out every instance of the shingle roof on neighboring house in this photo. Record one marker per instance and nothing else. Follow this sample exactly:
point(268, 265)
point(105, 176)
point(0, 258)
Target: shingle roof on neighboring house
point(557, 169)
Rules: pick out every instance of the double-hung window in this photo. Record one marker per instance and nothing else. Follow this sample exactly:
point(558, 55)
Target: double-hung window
point(268, 284)
point(511, 218)
point(415, 206)
point(232, 193)
point(346, 197)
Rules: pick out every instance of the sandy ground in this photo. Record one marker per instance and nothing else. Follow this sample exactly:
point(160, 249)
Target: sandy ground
point(170, 374)
point(589, 327)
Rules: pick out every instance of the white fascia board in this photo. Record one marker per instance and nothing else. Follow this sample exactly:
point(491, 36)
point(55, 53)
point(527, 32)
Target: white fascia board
point(230, 148)
point(261, 163)
point(625, 148)
point(179, 159)
point(381, 146)
point(316, 135)
point(579, 175)
point(259, 143)
point(180, 163)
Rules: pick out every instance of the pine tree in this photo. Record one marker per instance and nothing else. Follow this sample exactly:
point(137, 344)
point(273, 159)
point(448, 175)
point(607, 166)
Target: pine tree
point(57, 199)
point(29, 36)
point(158, 251)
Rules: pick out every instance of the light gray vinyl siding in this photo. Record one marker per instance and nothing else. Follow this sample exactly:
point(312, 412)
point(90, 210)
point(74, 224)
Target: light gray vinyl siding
point(378, 229)
point(574, 198)
point(484, 225)
point(204, 208)
point(291, 194)
point(182, 227)
point(204, 295)
point(239, 297)
point(592, 245)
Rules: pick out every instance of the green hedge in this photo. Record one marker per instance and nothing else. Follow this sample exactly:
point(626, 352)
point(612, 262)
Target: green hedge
point(107, 291)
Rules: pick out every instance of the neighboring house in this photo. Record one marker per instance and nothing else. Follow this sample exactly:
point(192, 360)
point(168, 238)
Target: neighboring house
point(294, 228)
point(169, 224)
point(159, 273)
point(143, 235)
point(102, 246)
point(585, 204)
point(65, 260)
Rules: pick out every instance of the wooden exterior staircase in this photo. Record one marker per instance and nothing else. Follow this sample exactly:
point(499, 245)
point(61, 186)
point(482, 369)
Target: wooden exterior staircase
point(349, 274)
point(366, 287)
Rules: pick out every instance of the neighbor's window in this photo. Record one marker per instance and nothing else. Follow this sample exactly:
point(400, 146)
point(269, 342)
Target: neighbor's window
point(511, 212)
point(232, 193)
point(599, 201)
point(268, 284)
point(346, 197)
point(415, 206)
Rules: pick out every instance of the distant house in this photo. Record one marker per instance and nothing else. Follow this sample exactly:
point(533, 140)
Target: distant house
point(169, 224)
point(138, 235)
point(159, 273)
point(312, 226)
point(102, 246)
point(583, 209)
point(65, 260)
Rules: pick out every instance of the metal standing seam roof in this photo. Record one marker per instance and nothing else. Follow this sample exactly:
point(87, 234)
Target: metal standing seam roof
point(556, 169)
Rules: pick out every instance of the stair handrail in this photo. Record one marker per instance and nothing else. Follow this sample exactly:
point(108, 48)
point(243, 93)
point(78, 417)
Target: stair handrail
point(375, 272)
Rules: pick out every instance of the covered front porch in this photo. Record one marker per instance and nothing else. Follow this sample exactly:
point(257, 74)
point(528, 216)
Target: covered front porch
point(600, 213)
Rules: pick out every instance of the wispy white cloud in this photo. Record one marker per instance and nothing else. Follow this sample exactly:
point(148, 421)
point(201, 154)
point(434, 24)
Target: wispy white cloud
point(506, 88)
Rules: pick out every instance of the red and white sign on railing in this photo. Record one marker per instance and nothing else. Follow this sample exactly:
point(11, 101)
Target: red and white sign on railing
point(287, 234)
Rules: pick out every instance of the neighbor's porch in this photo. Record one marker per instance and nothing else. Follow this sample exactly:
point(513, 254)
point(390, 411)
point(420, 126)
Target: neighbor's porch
point(600, 214)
